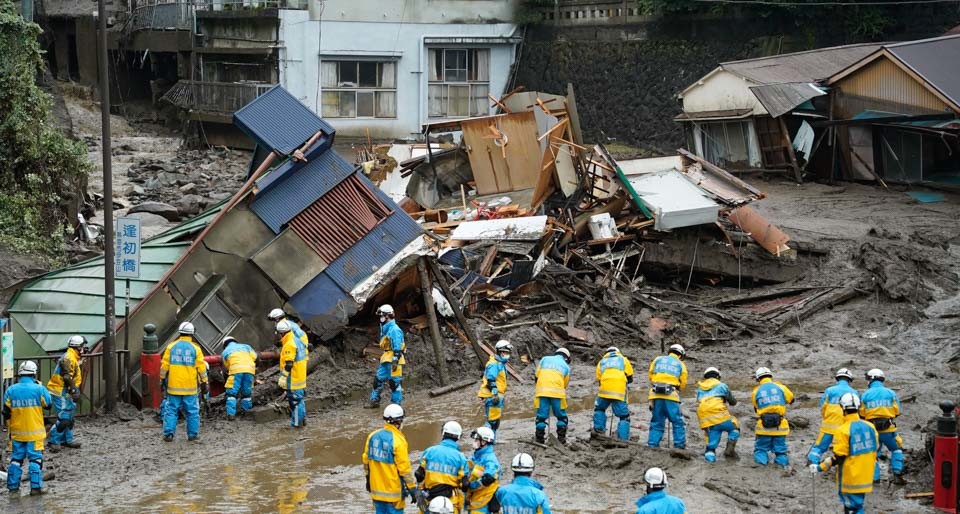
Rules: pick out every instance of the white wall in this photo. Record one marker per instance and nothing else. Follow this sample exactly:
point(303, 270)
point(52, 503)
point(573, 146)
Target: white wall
point(414, 11)
point(303, 41)
point(722, 91)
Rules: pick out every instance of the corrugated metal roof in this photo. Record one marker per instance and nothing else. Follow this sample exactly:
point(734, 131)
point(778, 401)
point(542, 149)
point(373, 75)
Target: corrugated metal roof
point(936, 60)
point(375, 249)
point(278, 121)
point(70, 300)
point(726, 114)
point(298, 185)
point(808, 66)
point(779, 99)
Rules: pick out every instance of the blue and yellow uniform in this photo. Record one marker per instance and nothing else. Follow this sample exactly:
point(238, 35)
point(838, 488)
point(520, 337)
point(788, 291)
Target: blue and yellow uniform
point(445, 469)
point(522, 496)
point(23, 405)
point(668, 376)
point(553, 376)
point(770, 400)
point(614, 372)
point(182, 368)
point(387, 466)
point(713, 397)
point(493, 387)
point(391, 362)
point(855, 446)
point(63, 385)
point(240, 361)
point(880, 406)
point(832, 416)
point(484, 480)
point(293, 363)
point(659, 502)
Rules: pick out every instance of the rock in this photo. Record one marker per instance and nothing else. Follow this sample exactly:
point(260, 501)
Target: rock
point(152, 184)
point(188, 188)
point(149, 220)
point(166, 210)
point(218, 196)
point(170, 179)
point(132, 189)
point(189, 205)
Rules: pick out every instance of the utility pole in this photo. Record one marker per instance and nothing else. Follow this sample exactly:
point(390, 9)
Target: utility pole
point(109, 362)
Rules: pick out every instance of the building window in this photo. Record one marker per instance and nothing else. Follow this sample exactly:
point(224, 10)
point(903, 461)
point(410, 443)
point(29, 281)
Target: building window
point(727, 143)
point(214, 322)
point(459, 82)
point(358, 89)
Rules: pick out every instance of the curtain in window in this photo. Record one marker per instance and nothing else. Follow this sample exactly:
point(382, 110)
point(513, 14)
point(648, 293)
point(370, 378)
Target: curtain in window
point(480, 104)
point(386, 104)
point(388, 75)
point(330, 101)
point(435, 100)
point(328, 74)
point(436, 64)
point(458, 104)
point(483, 65)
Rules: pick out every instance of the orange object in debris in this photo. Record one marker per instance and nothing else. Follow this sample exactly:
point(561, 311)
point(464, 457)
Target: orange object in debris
point(767, 235)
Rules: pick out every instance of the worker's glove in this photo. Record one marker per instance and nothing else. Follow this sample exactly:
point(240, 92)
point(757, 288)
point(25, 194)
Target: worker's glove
point(368, 483)
point(163, 386)
point(496, 400)
point(282, 382)
point(204, 387)
point(413, 495)
point(75, 395)
point(814, 468)
point(487, 479)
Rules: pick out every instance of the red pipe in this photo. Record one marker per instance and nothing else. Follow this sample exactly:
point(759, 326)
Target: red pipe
point(945, 460)
point(216, 360)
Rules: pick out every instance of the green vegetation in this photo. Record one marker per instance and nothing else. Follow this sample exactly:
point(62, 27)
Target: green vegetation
point(37, 162)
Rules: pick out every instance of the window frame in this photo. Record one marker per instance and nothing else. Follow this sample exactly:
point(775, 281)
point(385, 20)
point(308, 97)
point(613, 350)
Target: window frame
point(355, 89)
point(473, 85)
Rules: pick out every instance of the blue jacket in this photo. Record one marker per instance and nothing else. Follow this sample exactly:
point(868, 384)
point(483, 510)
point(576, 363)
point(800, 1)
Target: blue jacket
point(659, 502)
point(393, 331)
point(523, 496)
point(880, 403)
point(830, 410)
point(444, 465)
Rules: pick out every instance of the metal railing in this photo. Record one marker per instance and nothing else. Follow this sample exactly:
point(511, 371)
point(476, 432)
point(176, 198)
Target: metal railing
point(162, 16)
point(214, 97)
point(237, 5)
point(93, 389)
point(592, 12)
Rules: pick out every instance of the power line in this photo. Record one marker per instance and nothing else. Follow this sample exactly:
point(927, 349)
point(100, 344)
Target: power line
point(852, 3)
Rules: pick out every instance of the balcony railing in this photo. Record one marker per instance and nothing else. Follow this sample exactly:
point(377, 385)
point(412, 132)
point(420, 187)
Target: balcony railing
point(162, 16)
point(214, 97)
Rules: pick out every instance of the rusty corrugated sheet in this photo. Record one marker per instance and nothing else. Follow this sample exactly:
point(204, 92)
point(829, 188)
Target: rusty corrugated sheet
point(375, 249)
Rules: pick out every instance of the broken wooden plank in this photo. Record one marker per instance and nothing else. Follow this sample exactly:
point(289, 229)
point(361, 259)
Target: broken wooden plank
point(914, 496)
point(457, 311)
point(819, 302)
point(438, 391)
point(487, 350)
point(435, 337)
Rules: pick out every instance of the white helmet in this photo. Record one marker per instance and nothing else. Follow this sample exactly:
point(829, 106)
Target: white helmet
point(876, 374)
point(452, 428)
point(484, 434)
point(677, 349)
point(613, 349)
point(76, 342)
point(844, 373)
point(393, 413)
point(27, 368)
point(763, 372)
point(850, 402)
point(186, 328)
point(440, 505)
point(711, 370)
point(229, 339)
point(504, 346)
point(564, 352)
point(385, 309)
point(283, 326)
point(522, 463)
point(276, 315)
point(655, 478)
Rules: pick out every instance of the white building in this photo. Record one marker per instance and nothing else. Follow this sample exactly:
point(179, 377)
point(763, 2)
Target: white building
point(391, 65)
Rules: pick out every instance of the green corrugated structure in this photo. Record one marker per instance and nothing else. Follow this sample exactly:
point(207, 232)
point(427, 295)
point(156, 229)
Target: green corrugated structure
point(68, 301)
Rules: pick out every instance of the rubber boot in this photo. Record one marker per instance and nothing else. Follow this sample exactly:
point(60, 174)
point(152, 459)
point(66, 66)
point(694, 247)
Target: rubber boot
point(730, 451)
point(898, 479)
point(36, 491)
point(541, 435)
point(562, 434)
point(72, 444)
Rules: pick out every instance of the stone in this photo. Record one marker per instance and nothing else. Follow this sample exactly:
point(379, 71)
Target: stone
point(132, 190)
point(166, 210)
point(218, 196)
point(189, 205)
point(188, 188)
point(171, 179)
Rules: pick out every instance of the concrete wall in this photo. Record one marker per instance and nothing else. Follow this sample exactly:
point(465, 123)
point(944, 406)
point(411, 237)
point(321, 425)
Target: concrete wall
point(722, 91)
point(305, 42)
point(414, 11)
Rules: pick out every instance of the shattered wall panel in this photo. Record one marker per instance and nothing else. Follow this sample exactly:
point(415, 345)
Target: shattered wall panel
point(323, 306)
point(494, 172)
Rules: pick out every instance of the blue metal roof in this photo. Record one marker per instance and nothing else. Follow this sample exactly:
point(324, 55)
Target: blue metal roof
point(374, 250)
point(293, 187)
point(278, 121)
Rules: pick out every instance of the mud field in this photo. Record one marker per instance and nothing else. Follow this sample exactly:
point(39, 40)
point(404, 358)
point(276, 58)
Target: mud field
point(906, 325)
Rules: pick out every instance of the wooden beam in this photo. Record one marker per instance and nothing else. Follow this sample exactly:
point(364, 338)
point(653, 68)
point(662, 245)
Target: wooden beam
point(435, 337)
point(457, 311)
point(793, 156)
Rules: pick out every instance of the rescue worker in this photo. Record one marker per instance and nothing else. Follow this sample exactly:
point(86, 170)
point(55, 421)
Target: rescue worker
point(240, 361)
point(524, 494)
point(23, 405)
point(881, 406)
point(293, 378)
point(392, 360)
point(493, 385)
point(277, 315)
point(386, 464)
point(831, 413)
point(441, 505)
point(614, 372)
point(443, 468)
point(855, 446)
point(714, 397)
point(181, 368)
point(770, 400)
point(64, 386)
point(657, 501)
point(484, 472)
point(668, 376)
point(553, 375)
